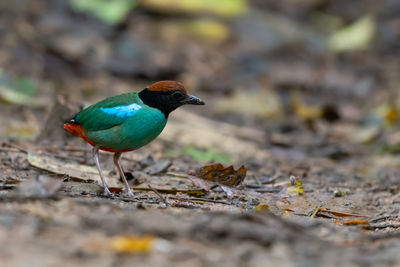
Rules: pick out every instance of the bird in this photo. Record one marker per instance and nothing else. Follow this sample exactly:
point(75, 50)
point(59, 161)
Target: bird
point(128, 121)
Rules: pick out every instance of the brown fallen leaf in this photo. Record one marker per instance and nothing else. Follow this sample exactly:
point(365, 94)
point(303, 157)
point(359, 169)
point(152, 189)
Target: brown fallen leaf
point(198, 182)
point(225, 176)
point(210, 176)
point(213, 175)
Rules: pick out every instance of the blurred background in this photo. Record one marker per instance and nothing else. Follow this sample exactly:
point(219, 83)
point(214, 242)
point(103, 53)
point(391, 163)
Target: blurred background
point(317, 76)
point(303, 93)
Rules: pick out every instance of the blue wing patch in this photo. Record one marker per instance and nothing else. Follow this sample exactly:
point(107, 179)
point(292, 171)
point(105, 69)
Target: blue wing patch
point(122, 111)
point(110, 112)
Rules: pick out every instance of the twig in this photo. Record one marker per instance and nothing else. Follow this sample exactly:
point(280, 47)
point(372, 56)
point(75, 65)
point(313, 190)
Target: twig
point(270, 189)
point(6, 187)
point(201, 199)
point(171, 191)
point(253, 186)
point(255, 178)
point(315, 212)
point(342, 213)
point(384, 218)
point(396, 226)
point(10, 149)
point(18, 147)
point(159, 195)
point(272, 179)
point(180, 175)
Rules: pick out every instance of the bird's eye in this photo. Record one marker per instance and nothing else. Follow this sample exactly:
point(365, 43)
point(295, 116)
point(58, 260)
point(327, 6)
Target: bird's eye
point(178, 95)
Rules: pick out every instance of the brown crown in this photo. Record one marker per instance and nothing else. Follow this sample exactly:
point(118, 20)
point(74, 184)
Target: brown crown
point(167, 86)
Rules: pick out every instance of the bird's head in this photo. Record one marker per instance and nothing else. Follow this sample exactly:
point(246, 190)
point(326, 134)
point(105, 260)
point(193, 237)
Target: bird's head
point(167, 96)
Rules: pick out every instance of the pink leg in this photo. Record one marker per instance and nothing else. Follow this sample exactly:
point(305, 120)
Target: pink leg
point(122, 174)
point(96, 160)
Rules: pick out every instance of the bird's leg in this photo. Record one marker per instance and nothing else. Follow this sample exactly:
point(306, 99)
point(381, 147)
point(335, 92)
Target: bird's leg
point(122, 174)
point(96, 160)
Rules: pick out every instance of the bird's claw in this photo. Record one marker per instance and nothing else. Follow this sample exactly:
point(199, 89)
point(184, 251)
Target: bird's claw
point(107, 192)
point(129, 193)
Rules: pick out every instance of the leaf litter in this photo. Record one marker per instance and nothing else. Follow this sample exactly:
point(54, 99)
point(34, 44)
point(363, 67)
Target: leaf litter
point(339, 132)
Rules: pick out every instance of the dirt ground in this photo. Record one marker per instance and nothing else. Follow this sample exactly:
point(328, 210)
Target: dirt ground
point(315, 125)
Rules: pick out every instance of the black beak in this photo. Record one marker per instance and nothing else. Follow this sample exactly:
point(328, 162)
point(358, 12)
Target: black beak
point(192, 100)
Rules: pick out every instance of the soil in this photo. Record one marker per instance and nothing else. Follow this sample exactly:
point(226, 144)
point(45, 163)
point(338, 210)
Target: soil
point(317, 131)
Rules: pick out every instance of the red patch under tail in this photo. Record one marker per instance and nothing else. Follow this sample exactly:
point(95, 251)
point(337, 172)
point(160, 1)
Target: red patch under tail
point(77, 129)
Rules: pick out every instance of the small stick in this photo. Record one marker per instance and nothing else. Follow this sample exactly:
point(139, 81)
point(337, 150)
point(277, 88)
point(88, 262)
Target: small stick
point(384, 218)
point(395, 226)
point(18, 147)
point(9, 149)
point(180, 175)
point(201, 199)
point(342, 213)
point(315, 212)
point(159, 195)
point(257, 180)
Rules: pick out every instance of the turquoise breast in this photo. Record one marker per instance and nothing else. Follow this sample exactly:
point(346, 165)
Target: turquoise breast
point(140, 125)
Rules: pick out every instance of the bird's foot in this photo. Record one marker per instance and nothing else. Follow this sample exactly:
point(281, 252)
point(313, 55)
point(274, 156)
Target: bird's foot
point(107, 192)
point(129, 193)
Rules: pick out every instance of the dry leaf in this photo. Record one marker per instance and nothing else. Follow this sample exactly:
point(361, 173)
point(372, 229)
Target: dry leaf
point(224, 176)
point(57, 166)
point(215, 174)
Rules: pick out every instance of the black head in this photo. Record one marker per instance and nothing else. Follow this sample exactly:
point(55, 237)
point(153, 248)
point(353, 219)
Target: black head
point(167, 96)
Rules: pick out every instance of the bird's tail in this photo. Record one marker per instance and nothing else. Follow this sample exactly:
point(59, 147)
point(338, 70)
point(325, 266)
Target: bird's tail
point(78, 130)
point(74, 128)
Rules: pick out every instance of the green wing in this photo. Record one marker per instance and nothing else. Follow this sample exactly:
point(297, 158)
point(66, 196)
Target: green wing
point(109, 112)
